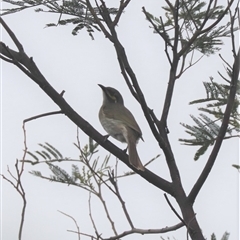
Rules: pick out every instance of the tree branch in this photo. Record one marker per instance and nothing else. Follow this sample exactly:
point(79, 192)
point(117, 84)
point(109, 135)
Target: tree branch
point(114, 183)
point(18, 184)
point(78, 230)
point(146, 231)
point(123, 5)
point(42, 115)
point(212, 158)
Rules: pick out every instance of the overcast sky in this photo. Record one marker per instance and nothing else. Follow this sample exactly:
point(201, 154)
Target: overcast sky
point(77, 64)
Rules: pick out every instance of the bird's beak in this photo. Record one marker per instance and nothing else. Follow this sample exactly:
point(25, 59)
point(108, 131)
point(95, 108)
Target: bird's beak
point(102, 87)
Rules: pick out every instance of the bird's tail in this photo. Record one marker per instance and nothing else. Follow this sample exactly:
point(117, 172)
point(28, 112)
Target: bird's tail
point(134, 159)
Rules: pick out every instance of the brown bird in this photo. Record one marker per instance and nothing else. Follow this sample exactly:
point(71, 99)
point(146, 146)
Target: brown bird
point(119, 123)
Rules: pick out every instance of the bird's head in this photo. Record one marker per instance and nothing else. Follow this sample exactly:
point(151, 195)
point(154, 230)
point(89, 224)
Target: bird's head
point(111, 95)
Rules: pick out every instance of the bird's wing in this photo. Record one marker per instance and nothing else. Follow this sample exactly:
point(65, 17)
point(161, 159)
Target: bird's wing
point(126, 117)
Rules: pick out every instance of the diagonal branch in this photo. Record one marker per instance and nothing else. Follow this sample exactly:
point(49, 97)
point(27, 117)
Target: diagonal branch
point(86, 127)
point(114, 183)
point(162, 34)
point(12, 35)
point(129, 73)
point(123, 5)
point(211, 160)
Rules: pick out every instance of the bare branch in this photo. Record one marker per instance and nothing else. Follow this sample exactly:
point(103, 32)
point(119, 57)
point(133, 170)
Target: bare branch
point(108, 214)
point(146, 231)
point(18, 184)
point(42, 115)
point(114, 183)
point(78, 230)
point(166, 44)
point(12, 35)
point(174, 210)
point(84, 234)
point(227, 63)
point(176, 32)
point(232, 21)
point(50, 161)
point(90, 215)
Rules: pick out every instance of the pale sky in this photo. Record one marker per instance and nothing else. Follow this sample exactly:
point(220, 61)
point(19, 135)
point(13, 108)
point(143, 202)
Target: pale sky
point(77, 64)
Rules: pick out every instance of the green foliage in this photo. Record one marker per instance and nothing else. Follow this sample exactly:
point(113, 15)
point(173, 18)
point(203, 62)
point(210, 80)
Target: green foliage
point(224, 237)
point(236, 166)
point(60, 175)
point(213, 237)
point(47, 152)
point(206, 128)
point(192, 16)
point(80, 16)
point(83, 174)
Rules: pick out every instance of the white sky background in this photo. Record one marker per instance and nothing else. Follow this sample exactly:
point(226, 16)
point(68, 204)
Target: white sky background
point(77, 64)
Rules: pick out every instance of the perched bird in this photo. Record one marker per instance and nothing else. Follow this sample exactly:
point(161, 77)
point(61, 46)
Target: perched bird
point(119, 123)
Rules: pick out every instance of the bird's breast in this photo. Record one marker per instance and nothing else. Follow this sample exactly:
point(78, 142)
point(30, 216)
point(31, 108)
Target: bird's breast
point(114, 128)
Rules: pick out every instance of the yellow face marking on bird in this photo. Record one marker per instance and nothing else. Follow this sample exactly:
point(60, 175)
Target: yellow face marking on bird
point(113, 97)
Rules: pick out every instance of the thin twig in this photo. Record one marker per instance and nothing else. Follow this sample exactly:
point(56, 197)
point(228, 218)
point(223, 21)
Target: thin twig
point(173, 209)
point(108, 214)
point(42, 115)
point(12, 35)
point(99, 193)
point(162, 34)
point(227, 63)
point(114, 183)
point(86, 161)
point(146, 231)
point(166, 43)
point(232, 21)
point(50, 161)
point(18, 184)
point(90, 215)
point(189, 14)
point(78, 230)
point(104, 30)
point(123, 5)
point(84, 234)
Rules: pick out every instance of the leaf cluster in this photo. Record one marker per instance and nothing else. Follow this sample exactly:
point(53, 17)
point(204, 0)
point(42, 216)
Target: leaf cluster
point(192, 16)
point(82, 174)
point(207, 125)
point(73, 12)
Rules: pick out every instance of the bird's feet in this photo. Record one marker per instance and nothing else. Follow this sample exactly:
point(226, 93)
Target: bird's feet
point(106, 137)
point(125, 150)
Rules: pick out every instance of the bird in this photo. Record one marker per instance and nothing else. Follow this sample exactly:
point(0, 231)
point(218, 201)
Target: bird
point(120, 124)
